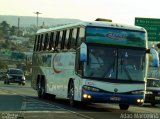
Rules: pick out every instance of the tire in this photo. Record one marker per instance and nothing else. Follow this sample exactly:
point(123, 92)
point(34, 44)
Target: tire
point(8, 82)
point(153, 104)
point(19, 83)
point(51, 97)
point(4, 82)
point(124, 106)
point(23, 84)
point(71, 94)
point(41, 89)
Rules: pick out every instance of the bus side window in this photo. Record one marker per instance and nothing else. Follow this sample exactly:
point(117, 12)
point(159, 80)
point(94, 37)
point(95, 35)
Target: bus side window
point(51, 42)
point(78, 65)
point(69, 39)
point(81, 37)
point(77, 37)
point(66, 39)
point(45, 42)
point(57, 39)
point(40, 43)
point(73, 39)
point(35, 43)
point(63, 39)
point(60, 40)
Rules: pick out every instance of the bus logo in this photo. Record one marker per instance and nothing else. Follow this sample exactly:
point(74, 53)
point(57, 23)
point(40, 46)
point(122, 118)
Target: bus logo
point(57, 63)
point(115, 90)
point(116, 36)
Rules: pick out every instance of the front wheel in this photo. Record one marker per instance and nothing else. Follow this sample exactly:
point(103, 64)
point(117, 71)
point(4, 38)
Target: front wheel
point(71, 94)
point(4, 82)
point(41, 90)
point(124, 106)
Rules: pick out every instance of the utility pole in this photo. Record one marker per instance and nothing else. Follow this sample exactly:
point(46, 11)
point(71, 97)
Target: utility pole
point(37, 13)
point(18, 26)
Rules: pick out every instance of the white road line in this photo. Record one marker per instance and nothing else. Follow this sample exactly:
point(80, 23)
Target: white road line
point(65, 110)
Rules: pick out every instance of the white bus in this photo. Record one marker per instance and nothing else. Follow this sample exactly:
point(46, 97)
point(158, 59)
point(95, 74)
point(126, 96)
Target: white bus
point(99, 62)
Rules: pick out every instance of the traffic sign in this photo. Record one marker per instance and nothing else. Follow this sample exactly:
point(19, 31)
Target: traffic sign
point(151, 25)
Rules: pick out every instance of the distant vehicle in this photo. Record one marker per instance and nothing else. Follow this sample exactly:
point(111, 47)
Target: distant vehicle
point(15, 76)
point(153, 91)
point(85, 62)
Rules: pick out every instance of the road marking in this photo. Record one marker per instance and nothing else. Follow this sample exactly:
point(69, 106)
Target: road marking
point(30, 103)
point(28, 100)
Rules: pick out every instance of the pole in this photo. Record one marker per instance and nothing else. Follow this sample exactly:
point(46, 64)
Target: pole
point(37, 13)
point(18, 26)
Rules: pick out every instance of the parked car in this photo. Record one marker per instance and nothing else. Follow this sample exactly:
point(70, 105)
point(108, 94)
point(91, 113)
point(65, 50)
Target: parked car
point(153, 91)
point(15, 76)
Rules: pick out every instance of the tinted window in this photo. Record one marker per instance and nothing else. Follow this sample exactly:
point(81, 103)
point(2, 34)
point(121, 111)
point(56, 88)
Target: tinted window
point(66, 39)
point(153, 83)
point(13, 71)
point(45, 42)
point(51, 42)
point(57, 39)
point(73, 40)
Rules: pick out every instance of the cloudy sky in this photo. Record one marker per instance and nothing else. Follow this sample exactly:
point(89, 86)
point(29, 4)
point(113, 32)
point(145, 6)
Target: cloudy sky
point(121, 11)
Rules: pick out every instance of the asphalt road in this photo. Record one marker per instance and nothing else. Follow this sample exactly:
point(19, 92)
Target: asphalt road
point(21, 102)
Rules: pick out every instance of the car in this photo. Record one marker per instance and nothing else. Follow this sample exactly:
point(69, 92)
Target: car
point(152, 91)
point(14, 75)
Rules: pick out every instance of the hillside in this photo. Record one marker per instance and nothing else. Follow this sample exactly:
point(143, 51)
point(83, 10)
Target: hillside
point(26, 21)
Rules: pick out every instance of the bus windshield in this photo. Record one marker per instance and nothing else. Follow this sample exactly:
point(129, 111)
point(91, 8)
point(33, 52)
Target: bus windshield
point(115, 63)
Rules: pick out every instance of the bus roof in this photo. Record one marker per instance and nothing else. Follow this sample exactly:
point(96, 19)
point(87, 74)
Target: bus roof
point(96, 24)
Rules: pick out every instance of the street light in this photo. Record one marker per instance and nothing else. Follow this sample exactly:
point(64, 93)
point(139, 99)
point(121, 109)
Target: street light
point(37, 13)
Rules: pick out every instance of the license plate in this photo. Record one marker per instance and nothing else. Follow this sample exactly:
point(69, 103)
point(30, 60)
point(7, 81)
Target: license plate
point(115, 98)
point(157, 98)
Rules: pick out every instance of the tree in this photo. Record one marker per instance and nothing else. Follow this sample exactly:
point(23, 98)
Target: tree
point(4, 28)
point(13, 30)
point(3, 65)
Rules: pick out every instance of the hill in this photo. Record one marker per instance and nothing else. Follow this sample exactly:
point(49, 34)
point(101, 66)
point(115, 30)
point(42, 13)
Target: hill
point(27, 21)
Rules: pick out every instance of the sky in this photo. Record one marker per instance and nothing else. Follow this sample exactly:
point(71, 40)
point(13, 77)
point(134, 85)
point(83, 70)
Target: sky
point(120, 11)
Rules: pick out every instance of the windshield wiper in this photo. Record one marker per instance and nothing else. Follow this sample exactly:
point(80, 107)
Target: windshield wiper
point(127, 73)
point(110, 70)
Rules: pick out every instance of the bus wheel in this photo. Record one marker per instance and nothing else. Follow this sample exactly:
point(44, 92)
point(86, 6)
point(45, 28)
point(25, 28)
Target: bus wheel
point(41, 90)
point(124, 106)
point(71, 94)
point(153, 104)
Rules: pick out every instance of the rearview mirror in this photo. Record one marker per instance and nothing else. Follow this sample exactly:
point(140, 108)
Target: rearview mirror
point(83, 52)
point(154, 57)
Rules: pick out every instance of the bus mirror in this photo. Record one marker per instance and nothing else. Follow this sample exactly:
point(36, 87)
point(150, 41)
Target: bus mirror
point(154, 58)
point(83, 52)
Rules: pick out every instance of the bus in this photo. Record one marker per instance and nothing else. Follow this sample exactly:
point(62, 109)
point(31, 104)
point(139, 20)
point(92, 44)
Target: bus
point(86, 62)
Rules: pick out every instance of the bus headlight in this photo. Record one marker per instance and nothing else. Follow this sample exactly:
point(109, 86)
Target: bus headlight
point(87, 96)
point(140, 100)
point(149, 92)
point(89, 88)
point(138, 92)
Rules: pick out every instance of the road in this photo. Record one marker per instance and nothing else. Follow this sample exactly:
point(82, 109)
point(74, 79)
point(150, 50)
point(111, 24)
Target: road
point(21, 102)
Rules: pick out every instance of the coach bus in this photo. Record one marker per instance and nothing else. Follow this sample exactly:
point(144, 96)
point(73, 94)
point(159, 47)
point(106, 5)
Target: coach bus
point(97, 62)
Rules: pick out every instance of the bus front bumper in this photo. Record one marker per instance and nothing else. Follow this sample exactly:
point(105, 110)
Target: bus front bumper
point(107, 97)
